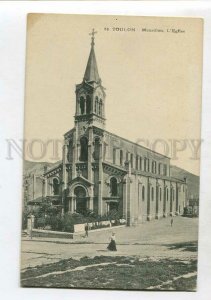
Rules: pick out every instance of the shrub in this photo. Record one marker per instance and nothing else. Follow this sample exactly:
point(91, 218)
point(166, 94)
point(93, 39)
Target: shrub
point(67, 223)
point(114, 215)
point(185, 210)
point(39, 222)
point(55, 222)
point(47, 215)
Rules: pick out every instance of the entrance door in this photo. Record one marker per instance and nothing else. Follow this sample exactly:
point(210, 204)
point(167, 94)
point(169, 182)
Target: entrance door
point(81, 200)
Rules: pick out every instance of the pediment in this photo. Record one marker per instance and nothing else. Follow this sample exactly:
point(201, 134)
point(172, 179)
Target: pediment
point(82, 180)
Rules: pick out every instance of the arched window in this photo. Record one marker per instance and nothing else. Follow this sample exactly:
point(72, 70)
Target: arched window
point(88, 104)
point(69, 151)
point(137, 161)
point(131, 160)
point(100, 107)
point(148, 164)
point(160, 194)
point(159, 168)
point(167, 194)
point(152, 170)
point(140, 163)
point(80, 192)
point(97, 149)
point(96, 105)
point(155, 167)
point(165, 170)
point(82, 105)
point(114, 156)
point(121, 157)
point(55, 186)
point(143, 193)
point(113, 185)
point(152, 193)
point(84, 149)
point(145, 164)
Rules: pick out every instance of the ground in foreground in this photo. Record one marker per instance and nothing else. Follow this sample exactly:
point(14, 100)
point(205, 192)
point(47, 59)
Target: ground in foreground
point(104, 272)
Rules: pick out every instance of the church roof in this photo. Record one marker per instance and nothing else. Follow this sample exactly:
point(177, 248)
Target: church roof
point(91, 72)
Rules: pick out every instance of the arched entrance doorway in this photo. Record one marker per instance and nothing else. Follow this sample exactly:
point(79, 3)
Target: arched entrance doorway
point(81, 199)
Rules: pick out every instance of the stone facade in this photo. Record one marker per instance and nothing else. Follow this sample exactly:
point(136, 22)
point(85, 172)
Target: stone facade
point(101, 171)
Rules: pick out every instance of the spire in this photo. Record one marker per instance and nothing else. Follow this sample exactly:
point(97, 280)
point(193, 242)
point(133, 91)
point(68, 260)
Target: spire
point(91, 73)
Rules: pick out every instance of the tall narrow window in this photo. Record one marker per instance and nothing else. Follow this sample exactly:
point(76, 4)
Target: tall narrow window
point(143, 193)
point(137, 161)
point(121, 157)
point(127, 156)
point(55, 186)
point(159, 168)
point(145, 164)
point(97, 149)
point(152, 169)
point(152, 194)
point(155, 167)
point(140, 163)
point(100, 107)
point(84, 149)
point(131, 160)
point(96, 105)
point(82, 105)
point(114, 156)
point(88, 104)
point(69, 151)
point(113, 185)
point(160, 194)
point(148, 163)
point(164, 170)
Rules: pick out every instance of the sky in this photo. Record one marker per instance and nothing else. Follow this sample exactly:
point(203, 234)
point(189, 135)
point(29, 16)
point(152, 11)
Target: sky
point(152, 79)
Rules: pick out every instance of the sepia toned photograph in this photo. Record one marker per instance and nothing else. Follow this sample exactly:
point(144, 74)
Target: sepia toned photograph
point(111, 152)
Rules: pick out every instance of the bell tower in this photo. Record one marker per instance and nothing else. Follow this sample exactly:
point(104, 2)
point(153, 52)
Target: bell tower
point(90, 95)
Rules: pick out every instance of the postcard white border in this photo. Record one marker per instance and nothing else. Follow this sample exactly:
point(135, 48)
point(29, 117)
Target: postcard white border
point(12, 72)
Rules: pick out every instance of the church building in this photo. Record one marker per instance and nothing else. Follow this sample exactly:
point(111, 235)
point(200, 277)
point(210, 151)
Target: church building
point(102, 172)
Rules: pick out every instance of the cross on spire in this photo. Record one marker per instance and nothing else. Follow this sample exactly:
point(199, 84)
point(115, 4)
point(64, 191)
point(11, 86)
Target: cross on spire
point(93, 36)
point(91, 72)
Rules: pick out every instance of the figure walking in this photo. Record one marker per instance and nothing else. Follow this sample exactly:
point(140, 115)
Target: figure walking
point(112, 244)
point(86, 230)
point(172, 222)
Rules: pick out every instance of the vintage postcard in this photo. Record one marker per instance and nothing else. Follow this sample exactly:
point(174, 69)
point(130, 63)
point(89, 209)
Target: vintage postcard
point(112, 152)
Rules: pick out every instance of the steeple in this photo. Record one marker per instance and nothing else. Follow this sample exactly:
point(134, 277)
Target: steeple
point(90, 95)
point(91, 73)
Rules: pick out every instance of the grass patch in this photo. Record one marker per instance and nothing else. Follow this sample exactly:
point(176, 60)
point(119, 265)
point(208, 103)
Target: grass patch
point(186, 246)
point(182, 284)
point(120, 273)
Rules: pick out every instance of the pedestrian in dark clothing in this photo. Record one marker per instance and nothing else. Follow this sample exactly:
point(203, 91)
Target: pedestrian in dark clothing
point(112, 244)
point(86, 230)
point(172, 222)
